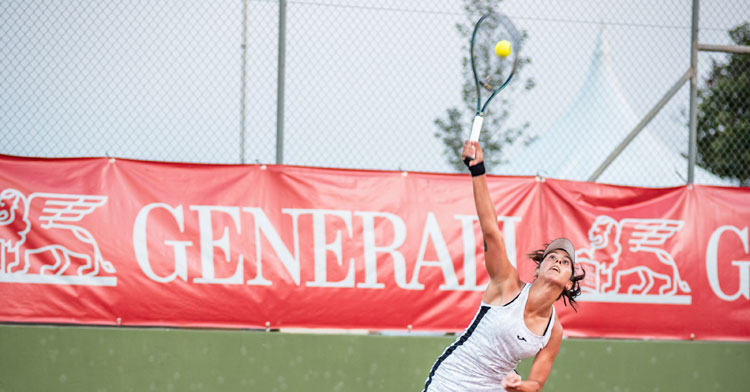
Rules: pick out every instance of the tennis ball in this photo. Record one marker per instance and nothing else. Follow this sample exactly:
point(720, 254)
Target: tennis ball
point(503, 48)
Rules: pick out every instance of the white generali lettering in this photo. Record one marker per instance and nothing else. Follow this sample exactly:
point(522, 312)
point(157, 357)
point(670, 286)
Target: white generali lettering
point(373, 247)
point(712, 255)
point(321, 248)
point(208, 243)
point(141, 251)
point(371, 250)
point(444, 262)
point(470, 259)
point(288, 260)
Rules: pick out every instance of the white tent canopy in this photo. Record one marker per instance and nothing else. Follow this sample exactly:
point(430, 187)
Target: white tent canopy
point(592, 126)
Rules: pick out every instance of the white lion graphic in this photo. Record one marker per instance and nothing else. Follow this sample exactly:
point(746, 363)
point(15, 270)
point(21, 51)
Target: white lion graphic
point(626, 258)
point(27, 253)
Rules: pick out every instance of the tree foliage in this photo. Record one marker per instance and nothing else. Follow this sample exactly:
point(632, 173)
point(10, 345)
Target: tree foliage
point(723, 127)
point(455, 126)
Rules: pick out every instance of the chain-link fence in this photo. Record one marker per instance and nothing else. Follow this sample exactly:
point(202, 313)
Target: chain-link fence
point(365, 81)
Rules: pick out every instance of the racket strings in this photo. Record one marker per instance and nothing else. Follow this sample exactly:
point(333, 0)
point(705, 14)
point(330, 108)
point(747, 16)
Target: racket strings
point(488, 83)
point(494, 71)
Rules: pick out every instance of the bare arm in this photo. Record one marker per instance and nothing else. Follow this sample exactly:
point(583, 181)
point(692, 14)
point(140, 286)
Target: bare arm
point(503, 275)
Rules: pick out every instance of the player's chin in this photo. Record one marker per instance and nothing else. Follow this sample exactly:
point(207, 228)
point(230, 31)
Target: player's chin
point(557, 278)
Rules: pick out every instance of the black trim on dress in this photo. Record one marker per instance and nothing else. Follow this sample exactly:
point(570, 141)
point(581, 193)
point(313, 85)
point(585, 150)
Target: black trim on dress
point(482, 311)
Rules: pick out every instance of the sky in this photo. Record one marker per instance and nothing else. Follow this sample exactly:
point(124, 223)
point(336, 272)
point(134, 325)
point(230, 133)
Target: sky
point(364, 80)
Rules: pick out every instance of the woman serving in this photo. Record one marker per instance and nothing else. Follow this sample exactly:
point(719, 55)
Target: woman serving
point(516, 320)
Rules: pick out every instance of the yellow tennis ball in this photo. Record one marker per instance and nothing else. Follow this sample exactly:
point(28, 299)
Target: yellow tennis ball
point(503, 48)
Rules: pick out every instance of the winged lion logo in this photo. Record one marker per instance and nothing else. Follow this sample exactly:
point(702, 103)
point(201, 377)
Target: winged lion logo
point(627, 262)
point(42, 242)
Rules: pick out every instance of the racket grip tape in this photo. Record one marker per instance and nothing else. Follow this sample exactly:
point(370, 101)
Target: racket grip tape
point(476, 129)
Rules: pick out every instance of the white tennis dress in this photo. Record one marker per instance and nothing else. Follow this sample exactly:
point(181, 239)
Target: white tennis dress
point(491, 346)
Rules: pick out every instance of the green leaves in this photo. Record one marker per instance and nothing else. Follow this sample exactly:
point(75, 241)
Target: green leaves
point(723, 128)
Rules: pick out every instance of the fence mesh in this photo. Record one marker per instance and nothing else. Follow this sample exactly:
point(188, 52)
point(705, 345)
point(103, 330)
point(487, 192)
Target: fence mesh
point(366, 80)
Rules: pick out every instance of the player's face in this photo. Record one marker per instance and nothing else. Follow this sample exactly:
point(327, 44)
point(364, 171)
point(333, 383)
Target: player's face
point(558, 266)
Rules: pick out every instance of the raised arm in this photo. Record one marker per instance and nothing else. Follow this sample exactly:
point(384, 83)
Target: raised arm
point(503, 275)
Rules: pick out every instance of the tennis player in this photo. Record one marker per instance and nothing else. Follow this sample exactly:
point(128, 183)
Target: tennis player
point(516, 320)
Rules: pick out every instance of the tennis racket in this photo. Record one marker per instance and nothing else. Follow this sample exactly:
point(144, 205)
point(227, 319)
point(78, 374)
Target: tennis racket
point(491, 72)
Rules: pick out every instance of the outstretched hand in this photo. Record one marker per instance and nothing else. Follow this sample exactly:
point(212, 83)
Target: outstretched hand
point(472, 148)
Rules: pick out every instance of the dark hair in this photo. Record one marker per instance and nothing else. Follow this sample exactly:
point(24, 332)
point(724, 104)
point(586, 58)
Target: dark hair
point(568, 296)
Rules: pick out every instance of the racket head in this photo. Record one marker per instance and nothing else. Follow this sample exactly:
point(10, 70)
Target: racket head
point(492, 73)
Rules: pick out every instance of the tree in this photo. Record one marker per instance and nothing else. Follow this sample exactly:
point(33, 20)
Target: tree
point(455, 126)
point(723, 128)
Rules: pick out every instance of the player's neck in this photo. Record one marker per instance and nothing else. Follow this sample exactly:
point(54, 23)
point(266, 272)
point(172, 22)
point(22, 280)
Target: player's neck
point(542, 295)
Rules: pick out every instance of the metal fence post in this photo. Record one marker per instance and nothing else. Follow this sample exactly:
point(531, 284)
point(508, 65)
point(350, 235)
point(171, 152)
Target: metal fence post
point(280, 91)
point(242, 86)
point(693, 137)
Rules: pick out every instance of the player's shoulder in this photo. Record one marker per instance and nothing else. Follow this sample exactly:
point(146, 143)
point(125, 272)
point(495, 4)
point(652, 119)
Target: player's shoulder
point(503, 291)
point(557, 328)
point(512, 288)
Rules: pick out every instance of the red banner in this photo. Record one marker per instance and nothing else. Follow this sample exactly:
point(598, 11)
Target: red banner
point(105, 241)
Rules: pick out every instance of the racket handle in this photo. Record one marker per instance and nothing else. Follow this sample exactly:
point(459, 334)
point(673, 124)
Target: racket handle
point(476, 129)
